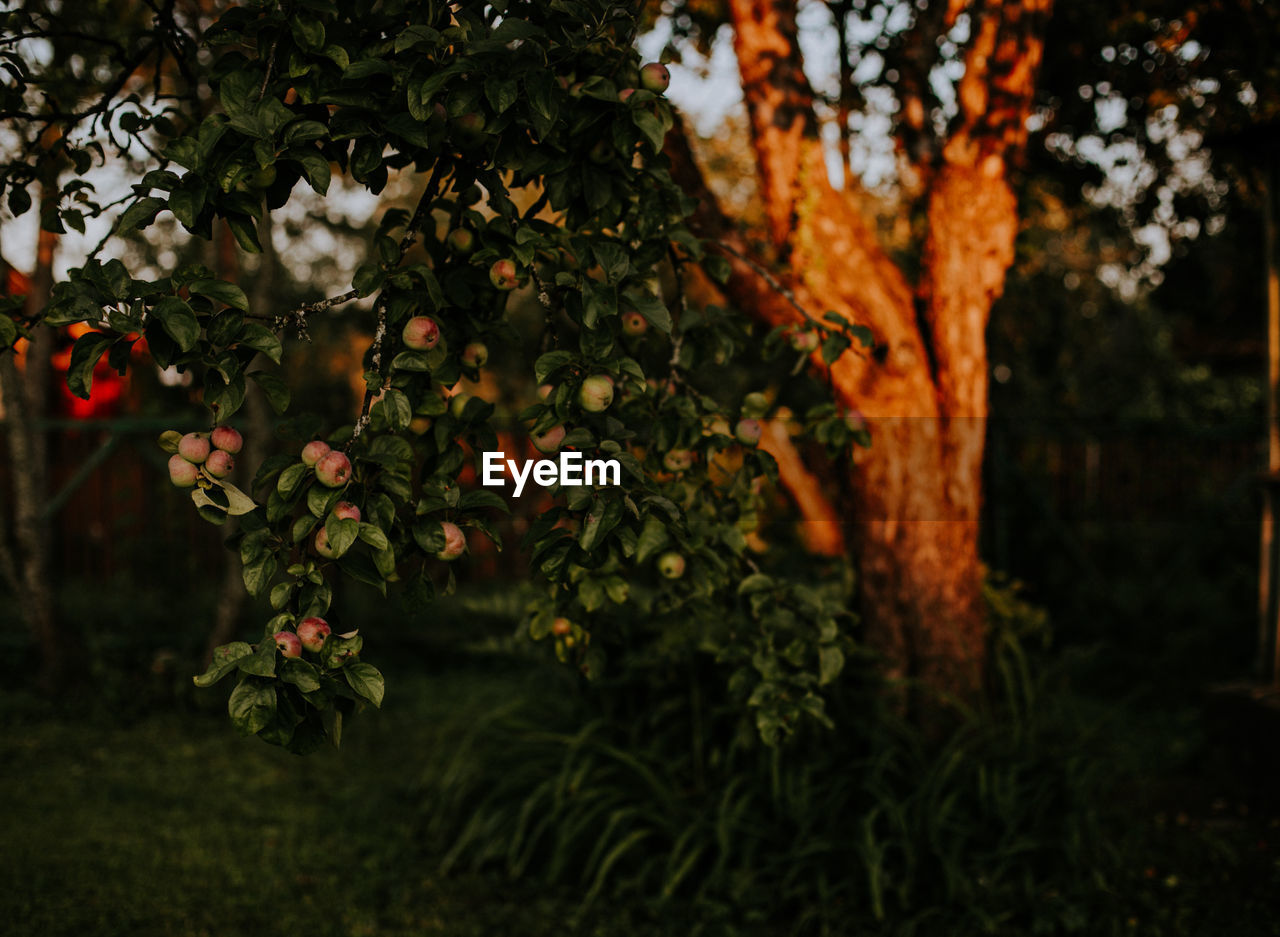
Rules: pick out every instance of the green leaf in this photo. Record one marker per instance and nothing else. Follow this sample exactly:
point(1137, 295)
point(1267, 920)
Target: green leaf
point(717, 268)
point(291, 477)
point(245, 232)
point(223, 292)
point(84, 356)
point(342, 533)
point(653, 538)
point(224, 661)
point(262, 662)
point(366, 681)
point(178, 321)
point(138, 215)
point(252, 705)
point(274, 388)
point(396, 409)
point(169, 440)
point(316, 168)
point(374, 536)
point(368, 278)
point(830, 663)
point(650, 126)
point(258, 575)
point(549, 363)
point(261, 338)
point(301, 674)
point(651, 307)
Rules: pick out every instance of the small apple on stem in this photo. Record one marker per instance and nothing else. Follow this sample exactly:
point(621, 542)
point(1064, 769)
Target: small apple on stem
point(678, 460)
point(182, 473)
point(655, 77)
point(334, 470)
point(671, 565)
point(287, 644)
point(462, 241)
point(550, 440)
point(596, 393)
point(219, 464)
point(312, 632)
point(503, 274)
point(227, 439)
point(194, 448)
point(421, 333)
point(634, 324)
point(748, 432)
point(314, 451)
point(345, 510)
point(455, 542)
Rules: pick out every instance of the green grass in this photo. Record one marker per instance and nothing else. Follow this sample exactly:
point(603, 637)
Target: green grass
point(174, 825)
point(167, 823)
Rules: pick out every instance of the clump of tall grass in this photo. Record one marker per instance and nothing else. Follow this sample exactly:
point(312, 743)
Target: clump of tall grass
point(652, 789)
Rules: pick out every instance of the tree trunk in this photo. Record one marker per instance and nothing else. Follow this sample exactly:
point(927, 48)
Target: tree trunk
point(916, 493)
point(26, 396)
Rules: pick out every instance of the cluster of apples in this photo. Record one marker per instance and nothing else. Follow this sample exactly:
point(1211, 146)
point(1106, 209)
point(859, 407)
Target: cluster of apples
point(212, 451)
point(310, 634)
point(332, 468)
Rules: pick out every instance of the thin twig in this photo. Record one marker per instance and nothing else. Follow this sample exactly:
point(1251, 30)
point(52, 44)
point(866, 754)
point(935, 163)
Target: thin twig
point(776, 286)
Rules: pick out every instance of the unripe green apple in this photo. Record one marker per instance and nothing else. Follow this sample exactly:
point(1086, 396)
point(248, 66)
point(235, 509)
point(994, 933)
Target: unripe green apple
point(755, 404)
point(678, 460)
point(805, 341)
point(748, 432)
point(334, 470)
point(288, 644)
point(194, 448)
point(458, 403)
point(671, 565)
point(421, 333)
point(634, 324)
point(596, 393)
point(312, 632)
point(322, 544)
point(550, 440)
point(314, 451)
point(502, 274)
point(345, 510)
point(655, 77)
point(455, 542)
point(219, 464)
point(419, 425)
point(475, 354)
point(264, 177)
point(181, 472)
point(226, 439)
point(462, 241)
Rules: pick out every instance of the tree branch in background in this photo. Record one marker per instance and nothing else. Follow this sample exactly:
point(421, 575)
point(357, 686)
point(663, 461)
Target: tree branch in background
point(820, 528)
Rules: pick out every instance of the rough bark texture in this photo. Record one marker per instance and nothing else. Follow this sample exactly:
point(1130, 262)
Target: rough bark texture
point(917, 492)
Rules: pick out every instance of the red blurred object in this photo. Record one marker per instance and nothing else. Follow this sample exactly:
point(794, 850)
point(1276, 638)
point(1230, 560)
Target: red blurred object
point(108, 386)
